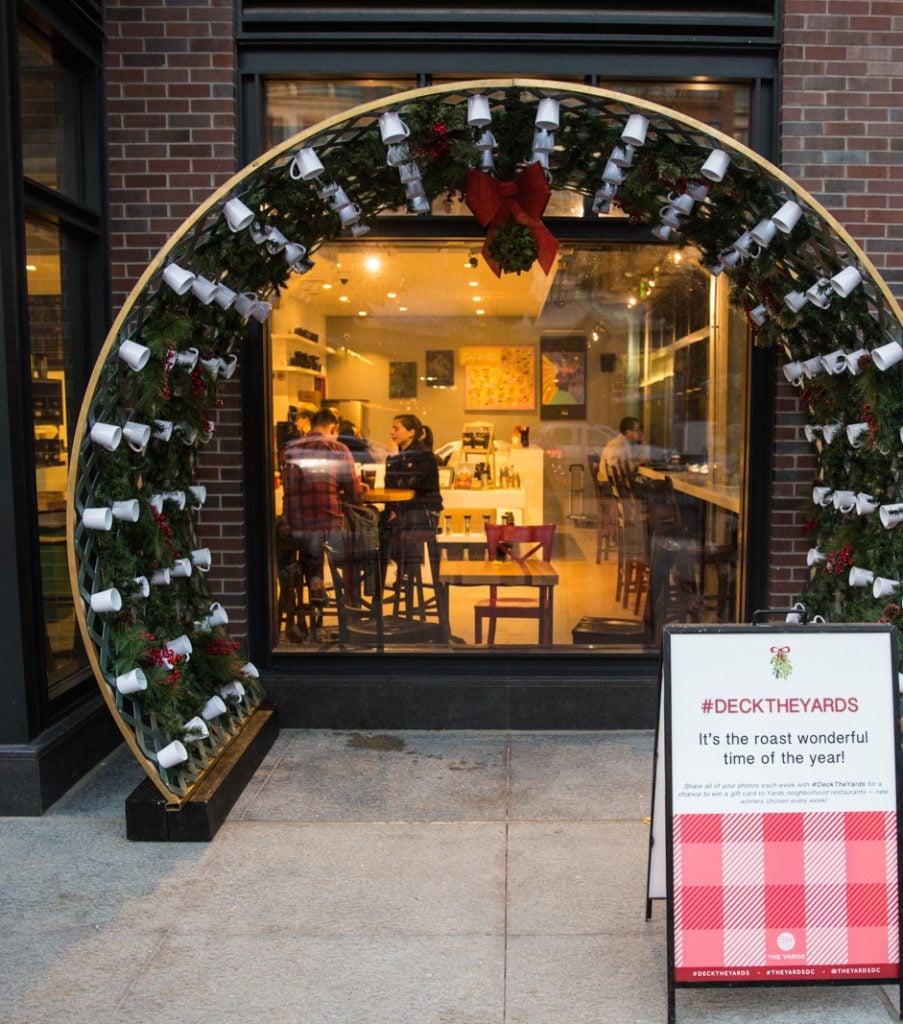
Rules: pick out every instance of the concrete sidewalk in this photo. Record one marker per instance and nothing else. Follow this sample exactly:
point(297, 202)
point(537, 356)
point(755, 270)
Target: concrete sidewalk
point(406, 878)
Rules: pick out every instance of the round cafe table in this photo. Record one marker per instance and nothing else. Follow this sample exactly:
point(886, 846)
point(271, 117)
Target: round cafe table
point(380, 495)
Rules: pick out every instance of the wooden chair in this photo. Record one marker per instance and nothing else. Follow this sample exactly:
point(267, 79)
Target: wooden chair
point(633, 538)
point(503, 540)
point(606, 513)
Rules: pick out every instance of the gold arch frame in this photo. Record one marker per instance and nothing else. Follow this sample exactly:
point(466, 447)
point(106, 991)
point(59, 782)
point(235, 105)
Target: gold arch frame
point(341, 130)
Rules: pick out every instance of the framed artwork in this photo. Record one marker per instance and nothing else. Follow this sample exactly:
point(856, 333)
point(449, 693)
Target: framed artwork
point(499, 377)
point(402, 380)
point(563, 387)
point(440, 368)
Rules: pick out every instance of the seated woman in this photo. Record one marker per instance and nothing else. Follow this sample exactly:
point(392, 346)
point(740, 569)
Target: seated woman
point(408, 524)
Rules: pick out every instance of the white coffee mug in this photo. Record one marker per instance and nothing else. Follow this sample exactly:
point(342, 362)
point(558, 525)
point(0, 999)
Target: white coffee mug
point(411, 172)
point(861, 577)
point(856, 434)
point(785, 219)
point(181, 568)
point(716, 165)
point(244, 303)
point(178, 279)
point(683, 202)
point(213, 708)
point(540, 158)
point(105, 601)
point(97, 519)
point(172, 754)
point(697, 190)
point(294, 253)
point(199, 493)
point(820, 293)
point(259, 232)
point(176, 497)
point(671, 216)
point(397, 154)
point(275, 241)
point(420, 204)
point(758, 314)
point(793, 373)
point(891, 516)
point(156, 503)
point(211, 366)
point(162, 430)
point(745, 245)
point(203, 289)
point(126, 511)
point(814, 557)
point(715, 269)
point(305, 165)
point(844, 501)
point(883, 587)
point(858, 361)
point(135, 356)
point(478, 112)
point(543, 141)
point(202, 559)
point(392, 129)
point(487, 160)
point(260, 310)
point(622, 155)
point(137, 435)
point(217, 615)
point(811, 432)
point(601, 204)
point(227, 366)
point(763, 233)
point(634, 133)
point(232, 691)
point(249, 669)
point(198, 729)
point(328, 190)
point(830, 431)
point(844, 281)
point(887, 355)
point(143, 585)
point(796, 300)
point(160, 578)
point(797, 614)
point(238, 216)
point(662, 231)
point(131, 682)
point(349, 215)
point(107, 435)
point(613, 173)
point(224, 297)
point(812, 366)
point(187, 434)
point(835, 362)
point(188, 359)
point(865, 504)
point(547, 114)
point(181, 645)
point(822, 495)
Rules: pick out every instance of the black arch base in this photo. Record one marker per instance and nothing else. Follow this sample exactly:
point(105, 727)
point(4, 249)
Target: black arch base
point(147, 818)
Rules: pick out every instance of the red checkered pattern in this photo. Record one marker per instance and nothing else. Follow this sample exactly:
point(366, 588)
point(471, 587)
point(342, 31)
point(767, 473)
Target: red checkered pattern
point(785, 890)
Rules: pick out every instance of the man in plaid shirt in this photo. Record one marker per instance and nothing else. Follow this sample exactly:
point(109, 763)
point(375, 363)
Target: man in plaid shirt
point(318, 478)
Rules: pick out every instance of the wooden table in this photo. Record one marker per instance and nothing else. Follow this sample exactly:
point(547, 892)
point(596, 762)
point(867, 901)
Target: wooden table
point(530, 573)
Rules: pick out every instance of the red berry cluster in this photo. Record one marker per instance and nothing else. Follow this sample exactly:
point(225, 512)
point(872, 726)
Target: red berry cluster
point(839, 561)
point(163, 524)
point(436, 144)
point(868, 416)
point(221, 648)
point(810, 526)
point(197, 383)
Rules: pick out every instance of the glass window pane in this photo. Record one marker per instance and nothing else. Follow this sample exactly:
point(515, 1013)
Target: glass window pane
point(384, 329)
point(54, 270)
point(721, 105)
point(51, 118)
point(293, 104)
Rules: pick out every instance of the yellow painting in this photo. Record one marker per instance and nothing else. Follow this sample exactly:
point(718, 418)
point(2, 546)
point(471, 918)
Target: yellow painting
point(499, 377)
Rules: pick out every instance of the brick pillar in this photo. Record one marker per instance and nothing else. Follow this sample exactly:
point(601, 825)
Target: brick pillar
point(842, 140)
point(172, 140)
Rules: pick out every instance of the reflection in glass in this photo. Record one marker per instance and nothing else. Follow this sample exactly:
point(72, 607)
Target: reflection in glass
point(53, 273)
point(660, 345)
point(51, 118)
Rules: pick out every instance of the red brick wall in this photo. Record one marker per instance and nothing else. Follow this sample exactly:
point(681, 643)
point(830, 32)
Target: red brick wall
point(172, 140)
point(842, 140)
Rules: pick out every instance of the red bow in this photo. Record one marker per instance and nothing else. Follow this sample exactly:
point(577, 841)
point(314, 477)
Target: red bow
point(523, 200)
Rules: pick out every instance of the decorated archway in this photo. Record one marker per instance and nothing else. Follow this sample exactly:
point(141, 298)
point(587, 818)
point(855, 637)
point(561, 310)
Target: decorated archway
point(159, 644)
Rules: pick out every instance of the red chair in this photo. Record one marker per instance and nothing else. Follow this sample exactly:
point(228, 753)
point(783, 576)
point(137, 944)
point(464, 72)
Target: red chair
point(504, 540)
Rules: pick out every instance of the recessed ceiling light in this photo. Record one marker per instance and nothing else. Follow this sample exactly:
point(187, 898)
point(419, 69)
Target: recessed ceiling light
point(473, 284)
point(373, 264)
point(476, 298)
point(402, 309)
point(631, 301)
point(343, 298)
point(480, 312)
point(362, 312)
point(391, 295)
point(30, 266)
point(327, 285)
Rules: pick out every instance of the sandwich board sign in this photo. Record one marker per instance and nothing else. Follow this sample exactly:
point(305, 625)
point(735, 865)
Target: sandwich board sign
point(782, 806)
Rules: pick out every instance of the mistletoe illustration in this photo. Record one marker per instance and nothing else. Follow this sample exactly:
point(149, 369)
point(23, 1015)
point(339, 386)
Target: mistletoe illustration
point(780, 663)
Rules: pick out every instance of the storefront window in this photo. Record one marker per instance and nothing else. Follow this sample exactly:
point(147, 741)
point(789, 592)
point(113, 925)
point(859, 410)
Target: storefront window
point(54, 269)
point(624, 352)
point(51, 118)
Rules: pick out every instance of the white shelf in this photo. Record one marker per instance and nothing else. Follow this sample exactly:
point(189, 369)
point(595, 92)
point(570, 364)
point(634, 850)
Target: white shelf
point(298, 369)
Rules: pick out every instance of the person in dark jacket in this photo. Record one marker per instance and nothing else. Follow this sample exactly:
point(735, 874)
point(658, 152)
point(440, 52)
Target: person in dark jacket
point(408, 524)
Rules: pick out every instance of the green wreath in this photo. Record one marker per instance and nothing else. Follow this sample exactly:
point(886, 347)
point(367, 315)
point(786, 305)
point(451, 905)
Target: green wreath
point(513, 248)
